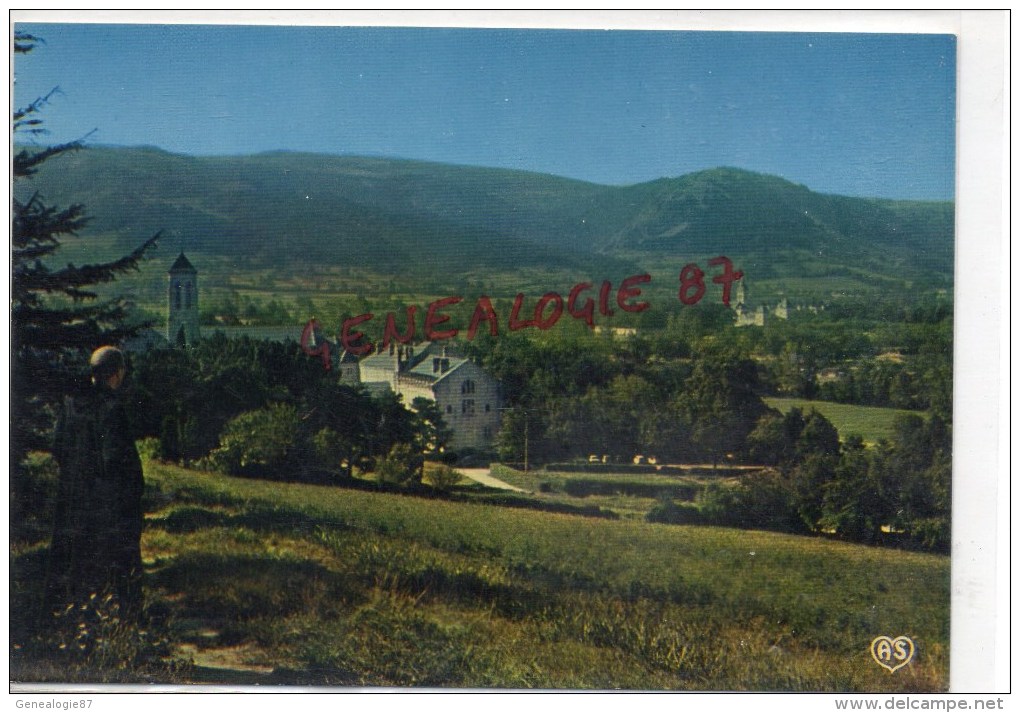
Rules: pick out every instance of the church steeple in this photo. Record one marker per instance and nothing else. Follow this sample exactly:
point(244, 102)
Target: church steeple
point(182, 303)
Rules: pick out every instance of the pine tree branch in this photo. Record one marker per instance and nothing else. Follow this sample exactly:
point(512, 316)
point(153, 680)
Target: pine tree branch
point(25, 162)
point(36, 223)
point(19, 115)
point(37, 278)
point(105, 272)
point(35, 252)
point(82, 328)
point(24, 42)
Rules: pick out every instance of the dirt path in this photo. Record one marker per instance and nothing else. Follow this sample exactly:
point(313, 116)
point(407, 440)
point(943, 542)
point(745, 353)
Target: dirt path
point(214, 662)
point(481, 475)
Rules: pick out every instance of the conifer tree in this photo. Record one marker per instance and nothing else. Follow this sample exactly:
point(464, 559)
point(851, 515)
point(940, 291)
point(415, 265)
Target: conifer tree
point(57, 315)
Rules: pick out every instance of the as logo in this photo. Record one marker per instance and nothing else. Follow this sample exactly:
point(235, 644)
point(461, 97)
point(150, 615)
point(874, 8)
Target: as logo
point(892, 654)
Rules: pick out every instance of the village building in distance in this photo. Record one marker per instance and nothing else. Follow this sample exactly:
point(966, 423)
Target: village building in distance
point(763, 313)
point(757, 316)
point(468, 397)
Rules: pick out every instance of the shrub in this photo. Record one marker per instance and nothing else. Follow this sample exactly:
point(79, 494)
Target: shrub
point(400, 466)
point(932, 533)
point(719, 504)
point(258, 442)
point(672, 513)
point(441, 476)
point(763, 500)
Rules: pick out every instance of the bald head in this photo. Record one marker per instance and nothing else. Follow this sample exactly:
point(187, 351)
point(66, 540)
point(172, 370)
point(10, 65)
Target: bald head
point(108, 366)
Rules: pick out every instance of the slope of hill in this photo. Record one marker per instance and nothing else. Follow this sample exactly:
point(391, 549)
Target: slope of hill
point(266, 582)
point(291, 210)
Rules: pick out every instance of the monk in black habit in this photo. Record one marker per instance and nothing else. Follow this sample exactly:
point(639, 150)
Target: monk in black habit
point(97, 528)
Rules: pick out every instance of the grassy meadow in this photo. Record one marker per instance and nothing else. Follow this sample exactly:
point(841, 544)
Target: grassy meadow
point(626, 495)
point(264, 582)
point(872, 423)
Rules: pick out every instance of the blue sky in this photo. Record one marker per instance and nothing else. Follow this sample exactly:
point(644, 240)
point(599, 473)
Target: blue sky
point(853, 114)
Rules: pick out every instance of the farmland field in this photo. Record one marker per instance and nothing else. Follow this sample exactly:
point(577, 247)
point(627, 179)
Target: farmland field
point(872, 423)
point(269, 582)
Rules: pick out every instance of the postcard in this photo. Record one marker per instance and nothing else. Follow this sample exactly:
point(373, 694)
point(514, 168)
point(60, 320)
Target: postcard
point(464, 353)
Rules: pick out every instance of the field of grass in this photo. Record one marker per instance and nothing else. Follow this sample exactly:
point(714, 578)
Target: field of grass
point(268, 582)
point(872, 423)
point(626, 494)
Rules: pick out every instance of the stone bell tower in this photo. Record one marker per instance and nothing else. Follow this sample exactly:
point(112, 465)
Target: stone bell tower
point(182, 304)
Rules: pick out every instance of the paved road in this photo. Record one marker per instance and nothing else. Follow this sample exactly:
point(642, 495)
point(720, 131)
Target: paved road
point(481, 475)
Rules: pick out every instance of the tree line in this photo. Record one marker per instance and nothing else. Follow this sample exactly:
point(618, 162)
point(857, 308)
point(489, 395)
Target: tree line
point(571, 397)
point(265, 409)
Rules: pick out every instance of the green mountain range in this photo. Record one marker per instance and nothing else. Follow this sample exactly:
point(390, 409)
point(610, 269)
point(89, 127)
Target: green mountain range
point(399, 217)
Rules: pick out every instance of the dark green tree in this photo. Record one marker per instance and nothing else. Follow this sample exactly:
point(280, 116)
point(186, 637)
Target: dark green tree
point(774, 438)
point(810, 480)
point(920, 463)
point(342, 421)
point(722, 402)
point(401, 466)
point(431, 434)
point(856, 501)
point(518, 439)
point(817, 437)
point(395, 425)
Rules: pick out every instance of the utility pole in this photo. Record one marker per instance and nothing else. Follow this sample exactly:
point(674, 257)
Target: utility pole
point(525, 411)
point(525, 441)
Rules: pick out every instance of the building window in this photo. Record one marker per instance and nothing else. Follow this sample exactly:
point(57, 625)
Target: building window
point(449, 409)
point(467, 407)
point(486, 408)
point(468, 387)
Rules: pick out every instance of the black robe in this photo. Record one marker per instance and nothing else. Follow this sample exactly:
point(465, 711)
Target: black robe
point(96, 544)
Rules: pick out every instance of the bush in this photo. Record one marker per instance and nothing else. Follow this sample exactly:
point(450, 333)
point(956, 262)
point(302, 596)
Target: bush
point(441, 476)
point(671, 513)
point(258, 443)
point(932, 533)
point(763, 501)
point(400, 466)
